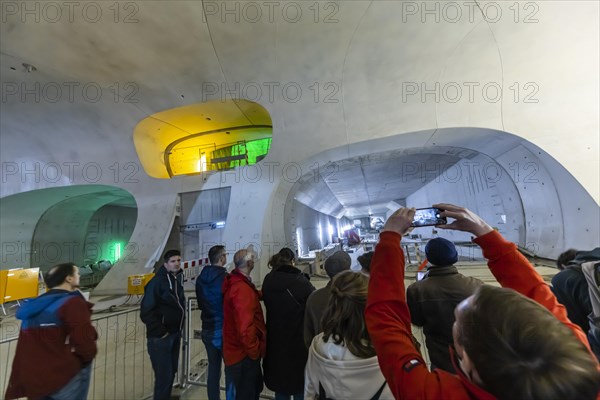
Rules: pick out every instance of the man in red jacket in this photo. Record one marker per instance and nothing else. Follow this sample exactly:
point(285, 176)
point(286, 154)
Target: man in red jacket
point(514, 343)
point(57, 342)
point(244, 330)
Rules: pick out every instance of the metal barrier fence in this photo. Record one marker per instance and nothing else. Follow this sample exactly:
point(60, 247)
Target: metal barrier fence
point(121, 369)
point(193, 358)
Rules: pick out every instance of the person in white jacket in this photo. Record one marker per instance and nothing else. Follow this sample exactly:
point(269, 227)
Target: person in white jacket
point(341, 360)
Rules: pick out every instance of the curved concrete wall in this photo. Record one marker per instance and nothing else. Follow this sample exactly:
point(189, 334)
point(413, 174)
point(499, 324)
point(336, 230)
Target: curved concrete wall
point(373, 66)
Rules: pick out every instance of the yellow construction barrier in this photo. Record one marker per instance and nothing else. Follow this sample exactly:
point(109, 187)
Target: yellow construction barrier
point(136, 283)
point(18, 284)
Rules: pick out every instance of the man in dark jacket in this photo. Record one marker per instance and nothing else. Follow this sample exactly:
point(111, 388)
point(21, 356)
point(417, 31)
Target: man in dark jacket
point(57, 342)
point(432, 300)
point(210, 302)
point(571, 289)
point(163, 312)
point(317, 301)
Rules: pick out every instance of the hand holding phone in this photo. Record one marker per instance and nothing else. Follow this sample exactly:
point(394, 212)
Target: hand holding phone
point(428, 217)
point(464, 220)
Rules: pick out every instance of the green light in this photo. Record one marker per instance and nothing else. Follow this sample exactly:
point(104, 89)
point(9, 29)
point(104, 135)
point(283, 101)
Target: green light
point(117, 253)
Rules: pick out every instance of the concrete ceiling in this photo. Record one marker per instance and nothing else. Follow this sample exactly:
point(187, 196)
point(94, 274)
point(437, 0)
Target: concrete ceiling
point(364, 185)
point(330, 74)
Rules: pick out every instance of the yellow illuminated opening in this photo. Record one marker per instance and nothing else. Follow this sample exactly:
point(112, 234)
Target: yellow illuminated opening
point(212, 136)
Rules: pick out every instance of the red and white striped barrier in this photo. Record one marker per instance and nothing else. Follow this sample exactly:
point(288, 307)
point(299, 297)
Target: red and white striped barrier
point(191, 269)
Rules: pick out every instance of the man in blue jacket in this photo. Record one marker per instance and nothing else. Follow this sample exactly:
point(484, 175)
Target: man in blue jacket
point(210, 302)
point(57, 342)
point(163, 312)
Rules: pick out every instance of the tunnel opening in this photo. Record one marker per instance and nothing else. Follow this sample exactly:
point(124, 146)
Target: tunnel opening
point(517, 187)
point(88, 225)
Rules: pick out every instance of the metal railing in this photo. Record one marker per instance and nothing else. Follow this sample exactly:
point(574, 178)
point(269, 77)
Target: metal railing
point(121, 369)
point(193, 359)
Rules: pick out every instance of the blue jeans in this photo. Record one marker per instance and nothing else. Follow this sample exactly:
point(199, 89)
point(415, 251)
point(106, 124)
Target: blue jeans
point(164, 355)
point(297, 396)
point(246, 380)
point(215, 358)
point(76, 389)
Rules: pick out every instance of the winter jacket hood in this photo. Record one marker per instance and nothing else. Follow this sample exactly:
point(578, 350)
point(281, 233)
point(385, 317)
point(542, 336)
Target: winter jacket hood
point(584, 256)
point(33, 307)
point(342, 374)
point(56, 341)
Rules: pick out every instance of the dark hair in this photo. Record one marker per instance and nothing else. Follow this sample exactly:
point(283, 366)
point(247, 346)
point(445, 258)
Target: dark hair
point(521, 350)
point(365, 261)
point(565, 257)
point(171, 253)
point(215, 253)
point(58, 274)
point(284, 257)
point(344, 316)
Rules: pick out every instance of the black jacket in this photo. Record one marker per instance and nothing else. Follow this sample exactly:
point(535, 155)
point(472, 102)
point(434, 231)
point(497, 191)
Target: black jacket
point(163, 305)
point(432, 301)
point(572, 291)
point(285, 290)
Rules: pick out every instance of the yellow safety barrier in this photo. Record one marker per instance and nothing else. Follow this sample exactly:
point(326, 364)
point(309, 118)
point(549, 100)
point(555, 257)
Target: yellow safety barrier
point(17, 284)
point(3, 281)
point(136, 283)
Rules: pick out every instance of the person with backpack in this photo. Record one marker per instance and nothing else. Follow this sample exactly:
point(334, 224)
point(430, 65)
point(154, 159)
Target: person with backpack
point(341, 360)
point(590, 267)
point(571, 289)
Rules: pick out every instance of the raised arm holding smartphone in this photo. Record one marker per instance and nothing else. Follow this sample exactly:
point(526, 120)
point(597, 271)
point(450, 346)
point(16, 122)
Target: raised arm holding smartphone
point(517, 334)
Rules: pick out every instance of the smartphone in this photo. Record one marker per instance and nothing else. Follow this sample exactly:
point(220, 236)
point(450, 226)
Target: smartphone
point(428, 217)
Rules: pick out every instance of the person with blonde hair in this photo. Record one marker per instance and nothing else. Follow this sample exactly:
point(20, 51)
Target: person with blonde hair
point(341, 360)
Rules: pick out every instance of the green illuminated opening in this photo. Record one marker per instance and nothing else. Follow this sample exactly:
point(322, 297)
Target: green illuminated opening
point(116, 252)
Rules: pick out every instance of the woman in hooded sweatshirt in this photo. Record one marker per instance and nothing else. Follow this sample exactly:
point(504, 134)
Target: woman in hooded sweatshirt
point(285, 290)
point(341, 360)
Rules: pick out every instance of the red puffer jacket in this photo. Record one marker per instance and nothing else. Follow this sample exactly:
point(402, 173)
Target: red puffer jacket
point(244, 330)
